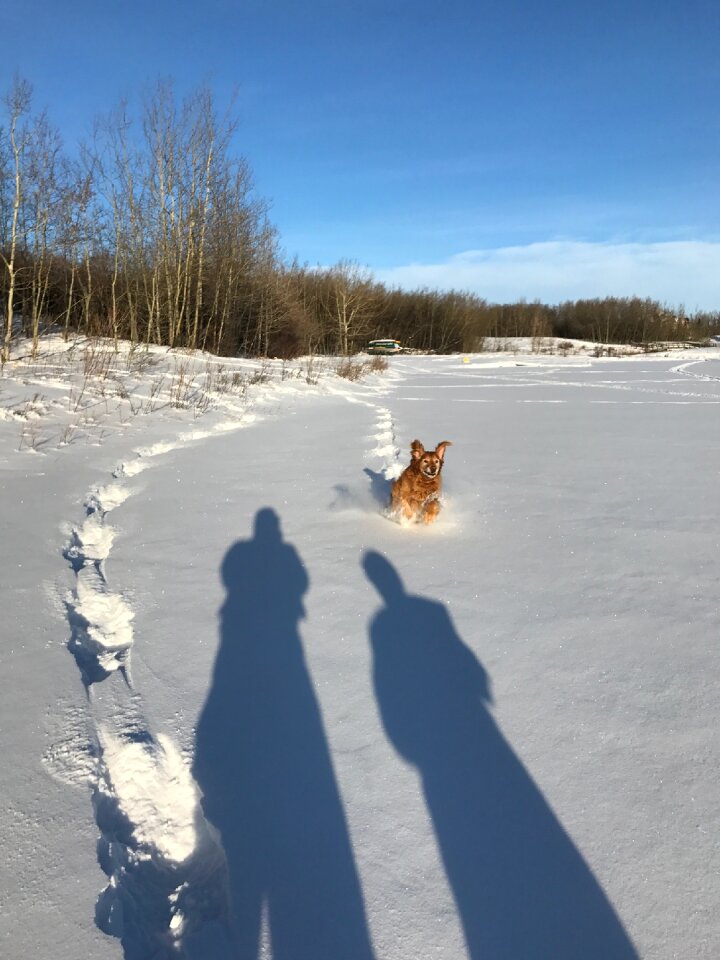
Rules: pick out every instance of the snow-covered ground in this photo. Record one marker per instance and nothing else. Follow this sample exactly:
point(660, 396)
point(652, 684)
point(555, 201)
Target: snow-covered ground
point(245, 715)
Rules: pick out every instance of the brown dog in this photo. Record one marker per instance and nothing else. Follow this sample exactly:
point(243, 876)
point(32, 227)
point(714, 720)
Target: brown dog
point(415, 494)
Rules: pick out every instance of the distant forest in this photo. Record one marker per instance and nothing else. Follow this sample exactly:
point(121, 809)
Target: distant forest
point(152, 232)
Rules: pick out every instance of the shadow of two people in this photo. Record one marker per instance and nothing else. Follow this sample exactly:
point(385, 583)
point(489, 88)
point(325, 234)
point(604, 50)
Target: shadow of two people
point(263, 764)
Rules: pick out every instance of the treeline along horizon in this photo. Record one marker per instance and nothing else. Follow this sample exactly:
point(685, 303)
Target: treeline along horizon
point(152, 232)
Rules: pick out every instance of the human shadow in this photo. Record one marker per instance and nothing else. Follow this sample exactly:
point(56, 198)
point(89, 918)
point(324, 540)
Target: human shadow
point(263, 765)
point(522, 889)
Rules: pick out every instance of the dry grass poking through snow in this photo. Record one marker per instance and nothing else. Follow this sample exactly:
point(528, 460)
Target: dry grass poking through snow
point(351, 369)
point(84, 389)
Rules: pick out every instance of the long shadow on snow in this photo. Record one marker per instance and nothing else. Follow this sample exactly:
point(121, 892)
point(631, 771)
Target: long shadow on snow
point(264, 767)
point(522, 889)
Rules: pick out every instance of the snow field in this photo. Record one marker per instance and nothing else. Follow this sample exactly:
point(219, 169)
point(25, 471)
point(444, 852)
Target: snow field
point(576, 561)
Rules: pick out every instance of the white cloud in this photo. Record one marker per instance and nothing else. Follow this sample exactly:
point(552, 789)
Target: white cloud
point(682, 272)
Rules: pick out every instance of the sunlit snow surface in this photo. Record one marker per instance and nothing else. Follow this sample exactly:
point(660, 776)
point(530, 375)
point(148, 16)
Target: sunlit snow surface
point(490, 738)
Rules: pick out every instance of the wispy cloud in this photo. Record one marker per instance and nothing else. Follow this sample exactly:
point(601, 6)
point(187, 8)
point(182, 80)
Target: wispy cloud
point(681, 272)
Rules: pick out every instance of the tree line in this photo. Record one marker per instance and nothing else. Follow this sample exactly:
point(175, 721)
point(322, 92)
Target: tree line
point(152, 232)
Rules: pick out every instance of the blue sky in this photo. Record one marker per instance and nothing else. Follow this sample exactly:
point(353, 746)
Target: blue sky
point(436, 142)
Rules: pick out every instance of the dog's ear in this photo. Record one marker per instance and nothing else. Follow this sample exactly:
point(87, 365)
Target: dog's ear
point(440, 450)
point(416, 449)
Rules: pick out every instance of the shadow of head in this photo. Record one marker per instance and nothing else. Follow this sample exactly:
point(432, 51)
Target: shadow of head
point(384, 577)
point(267, 526)
point(263, 575)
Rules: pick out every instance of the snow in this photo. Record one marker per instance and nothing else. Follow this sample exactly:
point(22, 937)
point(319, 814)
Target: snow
point(246, 715)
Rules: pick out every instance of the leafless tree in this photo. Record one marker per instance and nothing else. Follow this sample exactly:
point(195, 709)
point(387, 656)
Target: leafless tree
point(347, 296)
point(17, 103)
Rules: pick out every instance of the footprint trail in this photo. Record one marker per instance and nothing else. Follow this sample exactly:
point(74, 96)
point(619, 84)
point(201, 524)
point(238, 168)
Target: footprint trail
point(165, 868)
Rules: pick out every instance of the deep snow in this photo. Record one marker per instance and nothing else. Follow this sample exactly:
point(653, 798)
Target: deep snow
point(495, 737)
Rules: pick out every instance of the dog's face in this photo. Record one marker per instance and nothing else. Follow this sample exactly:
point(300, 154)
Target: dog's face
point(429, 462)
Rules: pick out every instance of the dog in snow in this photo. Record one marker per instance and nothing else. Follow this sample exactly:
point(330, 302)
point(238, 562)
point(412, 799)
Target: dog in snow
point(415, 494)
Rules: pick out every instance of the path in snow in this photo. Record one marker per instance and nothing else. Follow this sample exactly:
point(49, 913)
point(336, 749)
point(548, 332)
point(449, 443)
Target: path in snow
point(48, 867)
point(165, 867)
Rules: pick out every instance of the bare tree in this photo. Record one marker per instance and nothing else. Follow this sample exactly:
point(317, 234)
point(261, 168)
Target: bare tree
point(44, 198)
point(17, 103)
point(347, 297)
point(73, 227)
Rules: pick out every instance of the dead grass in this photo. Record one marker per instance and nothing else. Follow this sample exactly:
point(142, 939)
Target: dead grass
point(354, 370)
